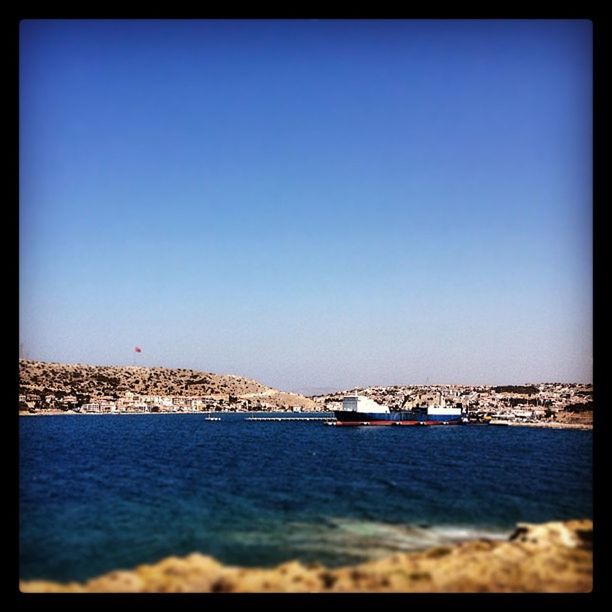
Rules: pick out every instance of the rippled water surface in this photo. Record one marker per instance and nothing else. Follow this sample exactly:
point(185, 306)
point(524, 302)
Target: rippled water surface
point(103, 492)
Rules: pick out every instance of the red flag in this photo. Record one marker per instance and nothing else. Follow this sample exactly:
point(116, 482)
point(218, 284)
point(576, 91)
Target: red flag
point(137, 349)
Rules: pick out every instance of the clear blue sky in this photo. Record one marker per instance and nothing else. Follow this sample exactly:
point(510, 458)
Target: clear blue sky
point(314, 204)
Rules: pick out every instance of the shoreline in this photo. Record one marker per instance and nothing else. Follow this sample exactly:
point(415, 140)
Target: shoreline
point(554, 557)
point(552, 425)
point(498, 423)
point(207, 414)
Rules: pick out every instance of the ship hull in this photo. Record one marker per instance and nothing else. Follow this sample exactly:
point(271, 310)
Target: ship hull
point(403, 418)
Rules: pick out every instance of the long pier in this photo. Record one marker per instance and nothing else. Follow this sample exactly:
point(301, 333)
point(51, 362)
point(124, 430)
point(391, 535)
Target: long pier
point(287, 418)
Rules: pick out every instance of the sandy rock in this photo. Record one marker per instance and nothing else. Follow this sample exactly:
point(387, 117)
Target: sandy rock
point(552, 557)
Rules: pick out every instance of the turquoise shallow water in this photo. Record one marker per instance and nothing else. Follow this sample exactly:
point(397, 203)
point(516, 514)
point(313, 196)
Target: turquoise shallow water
point(104, 492)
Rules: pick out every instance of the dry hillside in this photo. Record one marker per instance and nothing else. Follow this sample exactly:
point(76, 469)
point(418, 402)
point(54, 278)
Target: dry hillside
point(36, 377)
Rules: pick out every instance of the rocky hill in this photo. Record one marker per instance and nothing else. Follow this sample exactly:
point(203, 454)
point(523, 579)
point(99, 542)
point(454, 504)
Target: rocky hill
point(42, 379)
point(552, 557)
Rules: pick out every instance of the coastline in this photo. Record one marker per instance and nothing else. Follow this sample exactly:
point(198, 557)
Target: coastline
point(143, 413)
point(554, 557)
point(547, 425)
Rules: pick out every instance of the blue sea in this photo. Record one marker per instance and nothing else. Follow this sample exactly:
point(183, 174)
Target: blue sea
point(105, 492)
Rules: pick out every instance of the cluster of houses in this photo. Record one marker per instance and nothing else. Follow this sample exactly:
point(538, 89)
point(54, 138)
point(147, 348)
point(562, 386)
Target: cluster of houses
point(131, 402)
point(527, 403)
point(519, 403)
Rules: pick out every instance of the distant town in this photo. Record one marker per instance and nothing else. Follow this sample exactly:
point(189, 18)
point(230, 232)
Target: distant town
point(49, 388)
point(543, 403)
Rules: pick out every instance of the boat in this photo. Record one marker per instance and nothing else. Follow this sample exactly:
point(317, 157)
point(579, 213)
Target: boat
point(360, 410)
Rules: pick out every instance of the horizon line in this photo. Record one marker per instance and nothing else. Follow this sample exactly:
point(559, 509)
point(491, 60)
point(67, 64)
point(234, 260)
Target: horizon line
point(324, 389)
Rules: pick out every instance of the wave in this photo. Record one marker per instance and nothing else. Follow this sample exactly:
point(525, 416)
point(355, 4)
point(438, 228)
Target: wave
point(411, 537)
point(337, 540)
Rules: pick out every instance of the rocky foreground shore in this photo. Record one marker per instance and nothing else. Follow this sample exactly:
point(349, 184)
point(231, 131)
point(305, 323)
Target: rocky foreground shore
point(550, 557)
